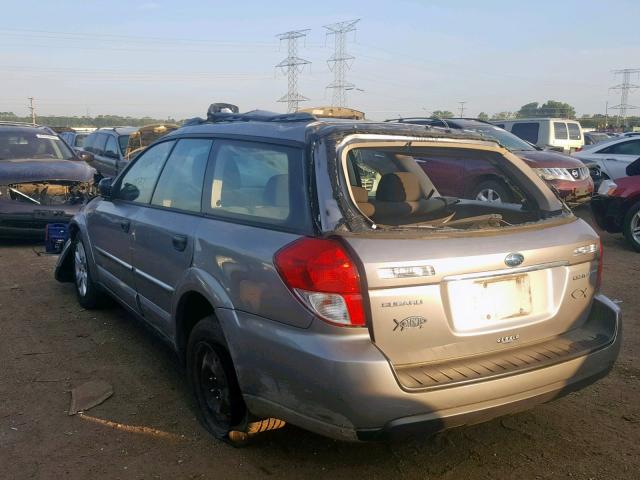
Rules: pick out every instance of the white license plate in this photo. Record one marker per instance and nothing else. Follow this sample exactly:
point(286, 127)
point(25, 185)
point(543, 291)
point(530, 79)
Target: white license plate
point(487, 302)
point(504, 298)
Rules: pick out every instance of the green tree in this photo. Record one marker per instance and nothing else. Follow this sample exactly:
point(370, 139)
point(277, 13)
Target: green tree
point(551, 108)
point(502, 116)
point(528, 110)
point(483, 116)
point(441, 114)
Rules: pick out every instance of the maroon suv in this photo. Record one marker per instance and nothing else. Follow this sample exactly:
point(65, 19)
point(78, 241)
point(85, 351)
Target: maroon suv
point(480, 180)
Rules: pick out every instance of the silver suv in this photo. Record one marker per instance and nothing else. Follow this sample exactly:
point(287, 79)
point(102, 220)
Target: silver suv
point(310, 272)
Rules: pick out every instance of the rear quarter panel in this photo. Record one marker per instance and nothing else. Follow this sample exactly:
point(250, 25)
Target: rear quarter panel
point(240, 258)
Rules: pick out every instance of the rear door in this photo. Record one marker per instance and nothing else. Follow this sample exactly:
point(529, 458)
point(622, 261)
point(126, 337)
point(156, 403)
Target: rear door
point(164, 241)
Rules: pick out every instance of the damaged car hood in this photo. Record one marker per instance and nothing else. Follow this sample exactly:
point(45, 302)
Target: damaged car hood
point(34, 170)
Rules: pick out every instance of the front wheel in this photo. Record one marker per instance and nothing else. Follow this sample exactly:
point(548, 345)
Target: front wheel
point(213, 379)
point(88, 292)
point(491, 191)
point(631, 226)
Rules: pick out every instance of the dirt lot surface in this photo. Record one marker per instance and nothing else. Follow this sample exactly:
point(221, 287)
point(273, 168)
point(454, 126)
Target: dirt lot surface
point(48, 344)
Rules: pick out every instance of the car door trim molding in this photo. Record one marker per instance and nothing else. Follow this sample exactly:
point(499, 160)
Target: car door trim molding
point(133, 269)
point(122, 263)
point(154, 280)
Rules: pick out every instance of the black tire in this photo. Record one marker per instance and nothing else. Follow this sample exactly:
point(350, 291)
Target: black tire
point(89, 294)
point(213, 380)
point(500, 189)
point(632, 216)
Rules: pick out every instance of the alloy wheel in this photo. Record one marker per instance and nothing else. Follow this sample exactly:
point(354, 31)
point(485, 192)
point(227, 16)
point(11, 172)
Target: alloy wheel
point(488, 195)
point(635, 227)
point(80, 269)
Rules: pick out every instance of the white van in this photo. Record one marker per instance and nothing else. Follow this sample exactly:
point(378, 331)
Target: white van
point(555, 133)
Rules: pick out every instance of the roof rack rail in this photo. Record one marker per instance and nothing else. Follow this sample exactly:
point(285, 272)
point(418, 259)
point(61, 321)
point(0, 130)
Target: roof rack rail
point(227, 112)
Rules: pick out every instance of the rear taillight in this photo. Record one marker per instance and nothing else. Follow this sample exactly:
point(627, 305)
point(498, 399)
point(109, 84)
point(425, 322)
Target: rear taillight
point(324, 277)
point(599, 275)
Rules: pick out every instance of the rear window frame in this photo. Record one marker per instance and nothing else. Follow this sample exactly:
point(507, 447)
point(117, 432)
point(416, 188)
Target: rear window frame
point(305, 226)
point(577, 126)
point(354, 222)
point(560, 125)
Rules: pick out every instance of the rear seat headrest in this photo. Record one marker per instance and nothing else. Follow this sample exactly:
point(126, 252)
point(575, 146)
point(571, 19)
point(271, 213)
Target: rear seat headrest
point(399, 187)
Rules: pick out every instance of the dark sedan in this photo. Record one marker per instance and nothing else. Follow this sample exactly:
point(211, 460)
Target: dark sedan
point(41, 181)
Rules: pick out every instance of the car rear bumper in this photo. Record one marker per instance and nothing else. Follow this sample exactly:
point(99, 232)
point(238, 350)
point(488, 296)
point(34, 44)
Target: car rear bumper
point(343, 387)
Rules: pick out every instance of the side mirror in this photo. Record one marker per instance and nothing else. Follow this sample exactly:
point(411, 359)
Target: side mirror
point(105, 188)
point(85, 156)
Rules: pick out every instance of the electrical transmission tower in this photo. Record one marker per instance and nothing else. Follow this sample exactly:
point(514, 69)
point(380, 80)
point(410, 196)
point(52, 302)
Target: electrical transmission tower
point(462, 109)
point(625, 87)
point(292, 65)
point(340, 61)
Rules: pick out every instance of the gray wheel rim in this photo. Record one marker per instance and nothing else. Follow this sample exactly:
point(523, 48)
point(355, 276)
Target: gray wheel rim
point(488, 195)
point(635, 227)
point(80, 267)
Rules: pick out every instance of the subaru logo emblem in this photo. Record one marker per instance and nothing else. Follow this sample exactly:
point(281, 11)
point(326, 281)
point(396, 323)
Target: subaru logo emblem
point(514, 259)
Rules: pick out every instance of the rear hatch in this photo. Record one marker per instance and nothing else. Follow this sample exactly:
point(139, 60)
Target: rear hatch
point(450, 277)
point(441, 299)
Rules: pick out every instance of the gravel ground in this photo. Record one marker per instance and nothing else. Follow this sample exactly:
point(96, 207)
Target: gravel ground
point(48, 344)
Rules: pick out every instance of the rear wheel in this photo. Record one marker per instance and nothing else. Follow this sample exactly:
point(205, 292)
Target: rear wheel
point(491, 191)
point(213, 380)
point(631, 226)
point(88, 292)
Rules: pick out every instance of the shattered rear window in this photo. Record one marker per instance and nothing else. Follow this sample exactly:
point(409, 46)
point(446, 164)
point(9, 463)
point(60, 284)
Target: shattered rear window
point(437, 187)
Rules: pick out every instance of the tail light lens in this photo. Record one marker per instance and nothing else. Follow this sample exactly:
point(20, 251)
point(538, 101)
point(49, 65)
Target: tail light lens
point(324, 277)
point(599, 275)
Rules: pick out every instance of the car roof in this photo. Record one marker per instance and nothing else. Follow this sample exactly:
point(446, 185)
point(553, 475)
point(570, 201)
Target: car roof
point(538, 119)
point(606, 143)
point(300, 127)
point(117, 130)
point(18, 127)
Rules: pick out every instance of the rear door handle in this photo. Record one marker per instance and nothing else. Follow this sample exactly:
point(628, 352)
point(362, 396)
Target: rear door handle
point(125, 225)
point(179, 242)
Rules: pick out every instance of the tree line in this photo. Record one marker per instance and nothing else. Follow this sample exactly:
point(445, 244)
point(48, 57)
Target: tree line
point(552, 108)
point(97, 122)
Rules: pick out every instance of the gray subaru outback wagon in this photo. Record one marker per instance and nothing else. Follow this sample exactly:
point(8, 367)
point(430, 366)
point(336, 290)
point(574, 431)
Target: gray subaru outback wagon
point(309, 271)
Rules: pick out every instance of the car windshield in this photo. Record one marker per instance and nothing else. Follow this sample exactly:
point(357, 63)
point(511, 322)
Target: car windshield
point(33, 144)
point(508, 140)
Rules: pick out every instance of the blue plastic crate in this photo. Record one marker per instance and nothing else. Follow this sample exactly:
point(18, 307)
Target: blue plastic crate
point(55, 235)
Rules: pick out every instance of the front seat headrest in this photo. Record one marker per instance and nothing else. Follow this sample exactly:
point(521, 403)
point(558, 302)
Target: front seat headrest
point(399, 187)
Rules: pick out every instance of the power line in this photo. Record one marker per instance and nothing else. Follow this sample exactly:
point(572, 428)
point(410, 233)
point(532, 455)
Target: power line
point(625, 87)
point(292, 65)
point(340, 61)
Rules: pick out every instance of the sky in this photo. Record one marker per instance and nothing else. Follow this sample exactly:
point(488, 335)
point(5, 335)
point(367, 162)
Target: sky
point(163, 58)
